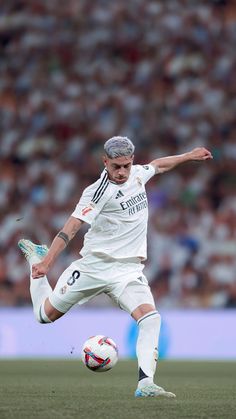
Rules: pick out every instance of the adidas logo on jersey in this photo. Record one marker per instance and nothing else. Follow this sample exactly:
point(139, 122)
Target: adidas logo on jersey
point(119, 194)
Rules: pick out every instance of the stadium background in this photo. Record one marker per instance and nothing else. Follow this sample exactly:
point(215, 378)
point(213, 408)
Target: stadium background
point(162, 73)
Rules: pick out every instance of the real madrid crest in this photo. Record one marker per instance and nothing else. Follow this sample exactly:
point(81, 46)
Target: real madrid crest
point(63, 289)
point(139, 181)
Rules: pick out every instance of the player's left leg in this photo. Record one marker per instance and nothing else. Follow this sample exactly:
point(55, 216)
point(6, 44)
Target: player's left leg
point(137, 299)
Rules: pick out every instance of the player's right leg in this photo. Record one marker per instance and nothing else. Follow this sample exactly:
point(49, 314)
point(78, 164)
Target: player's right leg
point(40, 289)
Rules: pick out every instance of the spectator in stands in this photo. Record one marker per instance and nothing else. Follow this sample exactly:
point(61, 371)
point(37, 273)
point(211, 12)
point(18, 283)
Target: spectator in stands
point(161, 73)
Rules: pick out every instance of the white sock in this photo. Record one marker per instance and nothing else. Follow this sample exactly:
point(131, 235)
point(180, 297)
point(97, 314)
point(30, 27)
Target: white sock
point(146, 349)
point(42, 316)
point(39, 290)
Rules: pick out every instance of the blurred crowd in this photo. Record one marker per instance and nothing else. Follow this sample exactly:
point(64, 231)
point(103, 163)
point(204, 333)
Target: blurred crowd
point(75, 73)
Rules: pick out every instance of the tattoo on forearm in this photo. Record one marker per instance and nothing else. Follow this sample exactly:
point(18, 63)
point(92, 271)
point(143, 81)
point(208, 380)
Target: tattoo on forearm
point(64, 237)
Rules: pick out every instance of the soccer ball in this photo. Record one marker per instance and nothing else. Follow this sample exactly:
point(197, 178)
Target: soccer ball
point(99, 353)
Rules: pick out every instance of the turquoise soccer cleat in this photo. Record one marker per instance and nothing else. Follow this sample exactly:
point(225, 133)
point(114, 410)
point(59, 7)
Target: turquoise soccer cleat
point(152, 390)
point(29, 249)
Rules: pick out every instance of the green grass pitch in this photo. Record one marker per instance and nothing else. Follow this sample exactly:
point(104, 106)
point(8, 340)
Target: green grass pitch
point(49, 389)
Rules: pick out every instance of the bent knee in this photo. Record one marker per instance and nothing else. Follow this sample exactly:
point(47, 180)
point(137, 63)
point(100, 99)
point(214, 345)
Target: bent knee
point(41, 317)
point(51, 312)
point(47, 313)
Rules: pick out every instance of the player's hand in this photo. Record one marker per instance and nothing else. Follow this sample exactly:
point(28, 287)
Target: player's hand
point(200, 153)
point(39, 269)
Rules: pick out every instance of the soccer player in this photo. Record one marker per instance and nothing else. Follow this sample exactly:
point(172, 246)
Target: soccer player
point(114, 249)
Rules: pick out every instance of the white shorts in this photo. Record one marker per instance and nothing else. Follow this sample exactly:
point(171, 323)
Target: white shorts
point(122, 280)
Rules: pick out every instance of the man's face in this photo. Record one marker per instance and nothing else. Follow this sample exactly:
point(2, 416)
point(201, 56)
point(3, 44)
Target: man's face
point(119, 168)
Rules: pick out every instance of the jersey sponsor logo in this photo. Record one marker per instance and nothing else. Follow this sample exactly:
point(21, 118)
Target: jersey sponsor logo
point(119, 194)
point(146, 167)
point(133, 200)
point(135, 203)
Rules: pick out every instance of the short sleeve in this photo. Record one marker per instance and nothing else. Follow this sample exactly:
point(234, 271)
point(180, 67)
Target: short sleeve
point(147, 171)
point(92, 200)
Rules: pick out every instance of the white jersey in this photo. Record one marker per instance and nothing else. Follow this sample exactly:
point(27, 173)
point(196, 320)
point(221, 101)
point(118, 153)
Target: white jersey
point(118, 215)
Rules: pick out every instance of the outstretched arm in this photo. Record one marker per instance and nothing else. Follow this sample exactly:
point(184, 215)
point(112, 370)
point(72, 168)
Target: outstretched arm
point(59, 243)
point(167, 163)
